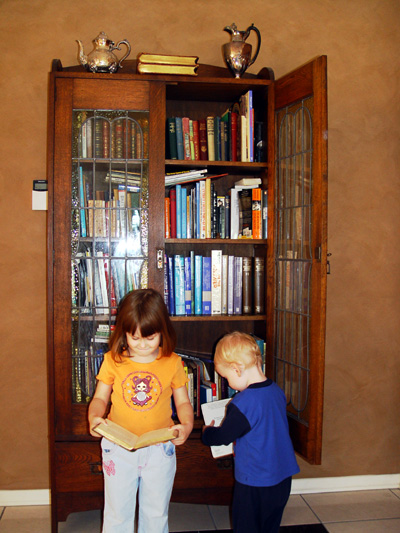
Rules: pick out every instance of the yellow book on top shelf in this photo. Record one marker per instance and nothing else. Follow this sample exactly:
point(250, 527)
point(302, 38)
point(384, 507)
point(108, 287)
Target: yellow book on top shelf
point(128, 440)
point(166, 59)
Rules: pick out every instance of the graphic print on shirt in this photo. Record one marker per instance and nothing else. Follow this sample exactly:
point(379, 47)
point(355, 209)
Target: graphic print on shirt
point(141, 390)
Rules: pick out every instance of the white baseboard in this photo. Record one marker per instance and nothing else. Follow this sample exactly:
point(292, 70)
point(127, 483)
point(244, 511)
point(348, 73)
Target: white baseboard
point(14, 498)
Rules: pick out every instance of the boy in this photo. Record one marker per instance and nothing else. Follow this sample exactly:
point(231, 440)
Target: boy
point(256, 421)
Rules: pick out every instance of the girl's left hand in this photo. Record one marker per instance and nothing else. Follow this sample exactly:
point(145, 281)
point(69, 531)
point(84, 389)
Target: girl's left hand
point(183, 430)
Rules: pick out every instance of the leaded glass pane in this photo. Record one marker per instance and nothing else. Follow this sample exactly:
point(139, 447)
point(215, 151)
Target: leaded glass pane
point(109, 230)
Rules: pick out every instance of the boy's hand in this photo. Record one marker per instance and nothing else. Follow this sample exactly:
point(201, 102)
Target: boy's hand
point(210, 425)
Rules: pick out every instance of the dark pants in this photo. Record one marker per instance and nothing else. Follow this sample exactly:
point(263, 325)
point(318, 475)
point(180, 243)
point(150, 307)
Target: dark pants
point(259, 509)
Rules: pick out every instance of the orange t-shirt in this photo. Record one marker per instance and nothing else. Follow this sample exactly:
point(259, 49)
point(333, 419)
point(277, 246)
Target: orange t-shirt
point(141, 393)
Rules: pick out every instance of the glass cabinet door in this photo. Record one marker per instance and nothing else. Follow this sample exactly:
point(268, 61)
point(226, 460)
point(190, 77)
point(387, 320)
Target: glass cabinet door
point(109, 230)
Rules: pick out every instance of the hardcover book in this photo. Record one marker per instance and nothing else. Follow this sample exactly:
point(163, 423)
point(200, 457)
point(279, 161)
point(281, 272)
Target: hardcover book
point(128, 440)
point(216, 282)
point(247, 286)
point(259, 283)
point(256, 213)
point(206, 285)
point(198, 285)
point(179, 279)
point(166, 59)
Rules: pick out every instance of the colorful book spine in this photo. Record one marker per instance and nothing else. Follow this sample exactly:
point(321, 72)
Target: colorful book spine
point(198, 285)
point(208, 208)
point(216, 282)
point(184, 213)
point(264, 214)
point(179, 138)
point(179, 278)
point(203, 140)
point(82, 202)
point(206, 279)
point(192, 282)
point(178, 191)
point(238, 286)
point(247, 284)
point(210, 138)
point(171, 285)
point(186, 138)
point(256, 213)
point(171, 126)
point(230, 281)
point(172, 203)
point(167, 217)
point(188, 286)
point(196, 140)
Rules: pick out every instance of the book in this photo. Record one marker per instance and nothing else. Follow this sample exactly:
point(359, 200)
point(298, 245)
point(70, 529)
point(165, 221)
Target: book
point(230, 286)
point(196, 140)
point(166, 59)
point(167, 217)
point(172, 204)
point(238, 286)
point(172, 143)
point(128, 440)
point(216, 411)
point(259, 283)
point(245, 213)
point(248, 181)
point(247, 286)
point(198, 285)
point(210, 138)
point(158, 68)
point(188, 286)
point(224, 285)
point(178, 191)
point(206, 289)
point(256, 213)
point(264, 200)
point(179, 138)
point(216, 279)
point(203, 139)
point(179, 281)
point(171, 285)
point(186, 139)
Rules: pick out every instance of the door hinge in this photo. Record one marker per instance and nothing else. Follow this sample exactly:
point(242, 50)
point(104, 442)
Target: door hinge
point(318, 253)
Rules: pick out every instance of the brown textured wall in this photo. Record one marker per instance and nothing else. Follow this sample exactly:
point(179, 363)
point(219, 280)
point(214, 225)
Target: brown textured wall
point(361, 40)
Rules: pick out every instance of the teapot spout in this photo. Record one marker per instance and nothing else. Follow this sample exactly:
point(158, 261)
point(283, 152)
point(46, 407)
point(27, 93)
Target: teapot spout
point(81, 55)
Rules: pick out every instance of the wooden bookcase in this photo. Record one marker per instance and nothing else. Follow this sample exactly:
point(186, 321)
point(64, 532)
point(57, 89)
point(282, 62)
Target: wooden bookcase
point(293, 111)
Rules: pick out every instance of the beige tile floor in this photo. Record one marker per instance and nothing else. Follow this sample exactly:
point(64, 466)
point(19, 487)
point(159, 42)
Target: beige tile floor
point(372, 511)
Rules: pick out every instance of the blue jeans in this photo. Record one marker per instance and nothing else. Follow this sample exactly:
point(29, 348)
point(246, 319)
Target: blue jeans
point(150, 472)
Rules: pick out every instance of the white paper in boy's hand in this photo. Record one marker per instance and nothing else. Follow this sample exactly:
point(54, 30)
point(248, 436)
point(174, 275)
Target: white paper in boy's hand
point(216, 411)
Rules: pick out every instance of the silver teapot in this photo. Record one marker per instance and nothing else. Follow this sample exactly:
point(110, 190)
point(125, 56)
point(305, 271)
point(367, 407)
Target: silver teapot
point(237, 53)
point(102, 58)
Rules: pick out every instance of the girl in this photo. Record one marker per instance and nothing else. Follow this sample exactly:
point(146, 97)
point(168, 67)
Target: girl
point(140, 373)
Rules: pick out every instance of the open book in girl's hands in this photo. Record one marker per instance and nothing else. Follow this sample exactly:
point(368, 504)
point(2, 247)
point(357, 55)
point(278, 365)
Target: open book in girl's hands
point(128, 440)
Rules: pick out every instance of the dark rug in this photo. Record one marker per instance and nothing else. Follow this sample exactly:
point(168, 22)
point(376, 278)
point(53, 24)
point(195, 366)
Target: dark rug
point(305, 528)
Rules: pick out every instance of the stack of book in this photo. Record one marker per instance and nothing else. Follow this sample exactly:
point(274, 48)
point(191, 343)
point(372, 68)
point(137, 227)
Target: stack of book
point(167, 64)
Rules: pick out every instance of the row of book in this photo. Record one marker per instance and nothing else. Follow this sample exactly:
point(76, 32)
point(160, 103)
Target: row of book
point(234, 136)
point(199, 212)
point(108, 213)
point(218, 284)
point(103, 282)
point(121, 138)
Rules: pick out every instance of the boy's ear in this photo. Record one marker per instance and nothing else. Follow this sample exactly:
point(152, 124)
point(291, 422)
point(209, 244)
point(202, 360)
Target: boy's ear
point(237, 368)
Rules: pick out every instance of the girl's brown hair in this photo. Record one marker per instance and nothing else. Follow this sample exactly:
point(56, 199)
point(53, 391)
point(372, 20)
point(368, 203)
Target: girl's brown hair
point(144, 309)
point(239, 348)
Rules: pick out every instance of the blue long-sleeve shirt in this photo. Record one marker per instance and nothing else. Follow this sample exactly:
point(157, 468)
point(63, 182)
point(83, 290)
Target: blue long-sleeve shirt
point(256, 422)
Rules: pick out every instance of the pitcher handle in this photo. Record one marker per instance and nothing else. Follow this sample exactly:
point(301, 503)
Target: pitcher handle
point(128, 46)
point(249, 29)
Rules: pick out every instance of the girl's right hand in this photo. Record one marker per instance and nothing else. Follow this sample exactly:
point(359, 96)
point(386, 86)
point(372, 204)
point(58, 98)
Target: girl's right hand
point(94, 422)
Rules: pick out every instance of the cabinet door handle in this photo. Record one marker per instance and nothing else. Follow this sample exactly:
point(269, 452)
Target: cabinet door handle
point(96, 468)
point(160, 259)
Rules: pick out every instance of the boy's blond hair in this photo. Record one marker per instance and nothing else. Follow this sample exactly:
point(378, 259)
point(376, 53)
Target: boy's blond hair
point(239, 348)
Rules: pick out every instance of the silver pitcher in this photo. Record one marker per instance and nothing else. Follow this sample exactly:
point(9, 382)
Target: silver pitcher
point(237, 53)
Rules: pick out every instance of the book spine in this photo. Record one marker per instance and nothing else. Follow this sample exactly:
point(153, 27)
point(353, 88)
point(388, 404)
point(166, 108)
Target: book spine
point(171, 126)
point(106, 139)
point(198, 210)
point(245, 213)
point(184, 213)
point(264, 214)
point(217, 138)
point(227, 216)
point(196, 140)
point(238, 286)
point(234, 209)
point(216, 282)
point(224, 285)
point(166, 291)
point(230, 282)
point(191, 139)
point(210, 138)
point(192, 281)
point(202, 203)
point(172, 201)
point(259, 283)
point(247, 285)
point(206, 285)
point(171, 285)
point(82, 204)
point(203, 140)
point(179, 278)
point(198, 285)
point(179, 138)
point(167, 217)
point(186, 138)
point(208, 208)
point(234, 136)
point(188, 286)
point(214, 212)
point(256, 213)
point(178, 191)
